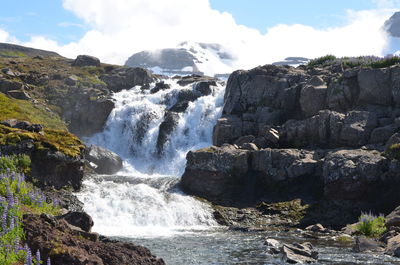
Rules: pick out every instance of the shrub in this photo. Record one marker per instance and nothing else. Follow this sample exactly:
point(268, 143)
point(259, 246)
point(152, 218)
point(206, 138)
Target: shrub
point(386, 62)
point(321, 61)
point(15, 163)
point(370, 225)
point(393, 151)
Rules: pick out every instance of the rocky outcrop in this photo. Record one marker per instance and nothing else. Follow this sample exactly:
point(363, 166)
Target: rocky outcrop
point(66, 244)
point(78, 219)
point(12, 50)
point(104, 160)
point(86, 60)
point(215, 173)
point(126, 78)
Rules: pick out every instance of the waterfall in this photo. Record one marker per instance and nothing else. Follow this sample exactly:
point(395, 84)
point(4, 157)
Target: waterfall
point(143, 199)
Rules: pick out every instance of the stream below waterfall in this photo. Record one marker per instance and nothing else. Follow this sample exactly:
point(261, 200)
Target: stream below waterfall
point(142, 203)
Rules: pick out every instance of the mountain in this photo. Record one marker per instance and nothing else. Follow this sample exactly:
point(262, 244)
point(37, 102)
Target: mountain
point(8, 50)
point(186, 58)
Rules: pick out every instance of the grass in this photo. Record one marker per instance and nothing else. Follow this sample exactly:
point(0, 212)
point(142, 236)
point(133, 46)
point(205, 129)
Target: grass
point(25, 110)
point(12, 54)
point(371, 226)
point(56, 140)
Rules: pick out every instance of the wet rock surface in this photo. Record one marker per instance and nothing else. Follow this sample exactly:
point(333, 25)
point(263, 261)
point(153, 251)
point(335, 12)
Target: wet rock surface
point(106, 161)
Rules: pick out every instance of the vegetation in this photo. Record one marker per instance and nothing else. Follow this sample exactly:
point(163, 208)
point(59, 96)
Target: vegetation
point(12, 54)
point(321, 61)
point(15, 163)
point(25, 110)
point(351, 62)
point(16, 198)
point(393, 151)
point(56, 140)
point(370, 225)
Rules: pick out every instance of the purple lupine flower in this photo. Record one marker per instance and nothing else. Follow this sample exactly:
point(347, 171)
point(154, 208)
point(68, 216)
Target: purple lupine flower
point(48, 261)
point(28, 256)
point(38, 256)
point(4, 220)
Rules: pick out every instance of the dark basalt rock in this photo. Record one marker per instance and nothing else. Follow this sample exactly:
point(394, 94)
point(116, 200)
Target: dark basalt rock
point(166, 128)
point(78, 219)
point(68, 245)
point(86, 60)
point(107, 162)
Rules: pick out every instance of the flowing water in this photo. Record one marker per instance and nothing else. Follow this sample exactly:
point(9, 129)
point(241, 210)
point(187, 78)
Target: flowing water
point(142, 203)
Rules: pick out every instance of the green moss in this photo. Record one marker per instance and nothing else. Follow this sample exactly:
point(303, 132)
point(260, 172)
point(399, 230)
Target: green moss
point(12, 54)
point(57, 140)
point(294, 210)
point(393, 151)
point(25, 110)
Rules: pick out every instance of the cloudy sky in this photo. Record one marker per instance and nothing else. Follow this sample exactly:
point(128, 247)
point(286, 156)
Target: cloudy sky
point(256, 31)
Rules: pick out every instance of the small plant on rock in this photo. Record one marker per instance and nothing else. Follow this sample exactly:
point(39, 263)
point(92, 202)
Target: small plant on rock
point(370, 225)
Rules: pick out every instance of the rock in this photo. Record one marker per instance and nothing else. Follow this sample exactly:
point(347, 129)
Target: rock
point(86, 116)
point(64, 244)
point(204, 87)
point(395, 84)
point(357, 127)
point(375, 86)
point(382, 134)
point(349, 174)
point(271, 135)
point(71, 80)
point(249, 147)
point(394, 139)
point(55, 169)
point(180, 107)
point(227, 130)
point(126, 78)
point(364, 244)
point(159, 86)
point(273, 246)
point(215, 173)
point(196, 79)
point(313, 96)
point(393, 219)
point(107, 162)
point(24, 125)
point(19, 94)
point(86, 60)
point(166, 128)
point(317, 228)
point(65, 199)
point(245, 139)
point(78, 219)
point(283, 164)
point(7, 85)
point(343, 92)
point(393, 246)
point(299, 253)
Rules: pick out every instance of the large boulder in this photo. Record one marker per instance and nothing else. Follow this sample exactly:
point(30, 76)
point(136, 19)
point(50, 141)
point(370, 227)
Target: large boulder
point(313, 96)
point(106, 161)
point(78, 219)
point(227, 130)
point(393, 246)
point(66, 244)
point(56, 169)
point(393, 219)
point(86, 60)
point(215, 173)
point(375, 86)
point(299, 253)
point(169, 124)
point(351, 174)
point(126, 78)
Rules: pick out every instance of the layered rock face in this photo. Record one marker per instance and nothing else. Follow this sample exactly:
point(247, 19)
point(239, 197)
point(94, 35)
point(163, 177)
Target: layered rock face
point(308, 132)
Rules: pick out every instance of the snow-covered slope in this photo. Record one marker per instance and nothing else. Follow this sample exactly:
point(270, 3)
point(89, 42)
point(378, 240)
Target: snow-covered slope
point(186, 58)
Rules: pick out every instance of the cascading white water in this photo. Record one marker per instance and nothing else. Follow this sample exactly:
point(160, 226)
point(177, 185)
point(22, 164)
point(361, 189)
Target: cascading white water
point(142, 199)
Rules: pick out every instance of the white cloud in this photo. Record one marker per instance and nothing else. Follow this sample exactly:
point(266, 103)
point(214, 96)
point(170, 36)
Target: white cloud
point(119, 28)
point(6, 37)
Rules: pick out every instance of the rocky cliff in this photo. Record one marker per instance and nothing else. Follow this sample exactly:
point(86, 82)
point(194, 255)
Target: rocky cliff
point(316, 132)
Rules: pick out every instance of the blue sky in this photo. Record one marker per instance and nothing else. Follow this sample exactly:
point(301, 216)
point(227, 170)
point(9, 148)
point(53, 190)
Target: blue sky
point(259, 31)
point(25, 18)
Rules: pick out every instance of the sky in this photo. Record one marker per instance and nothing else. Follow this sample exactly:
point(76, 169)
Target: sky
point(256, 31)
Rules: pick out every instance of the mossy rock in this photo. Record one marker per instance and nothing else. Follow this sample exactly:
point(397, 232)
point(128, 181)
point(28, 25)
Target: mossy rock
point(393, 151)
point(56, 140)
point(294, 210)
